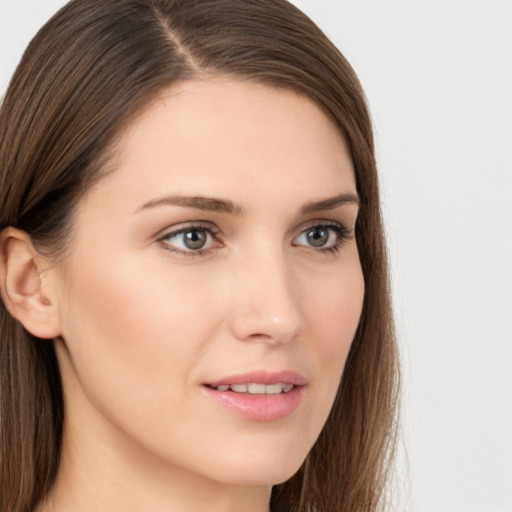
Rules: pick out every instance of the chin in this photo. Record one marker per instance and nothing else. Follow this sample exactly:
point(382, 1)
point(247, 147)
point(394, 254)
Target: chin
point(259, 471)
point(259, 478)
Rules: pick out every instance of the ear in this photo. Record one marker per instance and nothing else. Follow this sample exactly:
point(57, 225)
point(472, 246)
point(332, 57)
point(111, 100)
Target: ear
point(26, 284)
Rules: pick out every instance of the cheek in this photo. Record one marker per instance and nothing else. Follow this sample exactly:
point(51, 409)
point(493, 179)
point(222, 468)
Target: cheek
point(333, 315)
point(335, 311)
point(137, 300)
point(132, 331)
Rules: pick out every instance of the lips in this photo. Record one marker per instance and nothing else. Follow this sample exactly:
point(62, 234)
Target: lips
point(261, 377)
point(259, 395)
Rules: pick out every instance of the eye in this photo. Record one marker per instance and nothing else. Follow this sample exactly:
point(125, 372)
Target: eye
point(325, 237)
point(189, 240)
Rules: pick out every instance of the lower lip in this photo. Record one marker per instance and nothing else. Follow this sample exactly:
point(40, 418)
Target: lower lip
point(259, 407)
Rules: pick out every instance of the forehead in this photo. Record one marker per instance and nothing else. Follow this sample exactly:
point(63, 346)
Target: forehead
point(219, 136)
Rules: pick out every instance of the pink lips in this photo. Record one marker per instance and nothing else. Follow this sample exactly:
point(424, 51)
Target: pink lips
point(259, 407)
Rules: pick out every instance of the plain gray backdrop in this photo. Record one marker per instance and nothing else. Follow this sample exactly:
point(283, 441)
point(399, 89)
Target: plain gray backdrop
point(438, 75)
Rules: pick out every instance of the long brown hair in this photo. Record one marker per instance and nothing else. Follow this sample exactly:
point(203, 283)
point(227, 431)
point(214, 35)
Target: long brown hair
point(87, 72)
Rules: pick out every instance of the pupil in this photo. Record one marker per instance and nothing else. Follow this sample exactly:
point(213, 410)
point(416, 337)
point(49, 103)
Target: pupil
point(195, 239)
point(318, 237)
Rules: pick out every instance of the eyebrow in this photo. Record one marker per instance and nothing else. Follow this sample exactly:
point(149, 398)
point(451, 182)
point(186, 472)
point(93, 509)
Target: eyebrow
point(225, 206)
point(331, 203)
point(198, 203)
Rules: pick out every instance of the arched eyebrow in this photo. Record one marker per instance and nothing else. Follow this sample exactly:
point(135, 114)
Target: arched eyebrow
point(330, 203)
point(225, 206)
point(197, 203)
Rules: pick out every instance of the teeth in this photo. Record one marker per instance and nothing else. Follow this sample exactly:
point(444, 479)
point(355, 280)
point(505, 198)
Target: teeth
point(257, 389)
point(239, 388)
point(274, 389)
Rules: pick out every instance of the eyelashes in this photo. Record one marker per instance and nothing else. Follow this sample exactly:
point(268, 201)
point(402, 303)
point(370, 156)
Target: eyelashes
point(198, 238)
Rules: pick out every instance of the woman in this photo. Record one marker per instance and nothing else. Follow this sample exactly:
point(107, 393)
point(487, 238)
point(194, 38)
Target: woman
point(195, 309)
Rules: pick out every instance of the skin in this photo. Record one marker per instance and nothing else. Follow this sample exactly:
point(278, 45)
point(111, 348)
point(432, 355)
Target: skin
point(145, 322)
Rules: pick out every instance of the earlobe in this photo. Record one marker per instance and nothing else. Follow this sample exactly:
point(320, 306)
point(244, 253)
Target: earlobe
point(24, 285)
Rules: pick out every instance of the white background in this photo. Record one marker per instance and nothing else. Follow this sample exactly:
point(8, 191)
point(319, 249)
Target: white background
point(438, 75)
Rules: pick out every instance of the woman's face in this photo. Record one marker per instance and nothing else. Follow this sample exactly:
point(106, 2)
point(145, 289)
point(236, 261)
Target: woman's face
point(220, 252)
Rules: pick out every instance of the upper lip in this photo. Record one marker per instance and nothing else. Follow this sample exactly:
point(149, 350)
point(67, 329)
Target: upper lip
point(261, 377)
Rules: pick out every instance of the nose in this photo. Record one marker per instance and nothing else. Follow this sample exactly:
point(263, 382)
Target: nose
point(266, 301)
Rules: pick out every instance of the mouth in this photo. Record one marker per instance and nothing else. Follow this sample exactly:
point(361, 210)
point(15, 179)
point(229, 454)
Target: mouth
point(255, 388)
point(259, 395)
